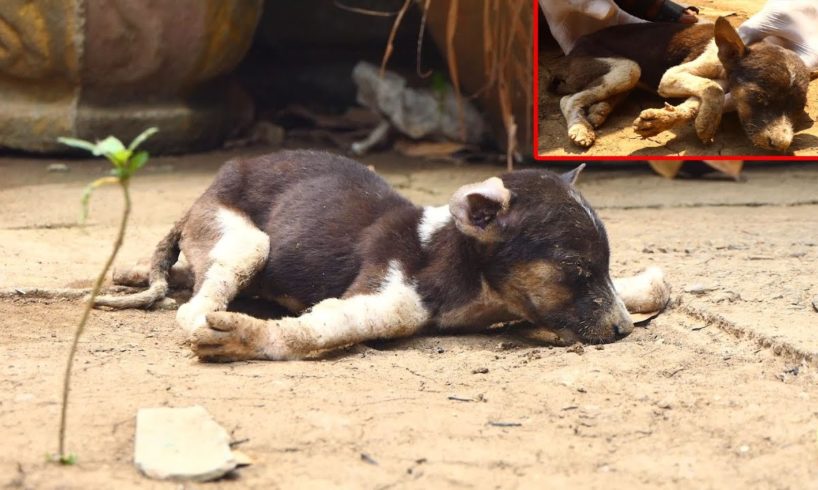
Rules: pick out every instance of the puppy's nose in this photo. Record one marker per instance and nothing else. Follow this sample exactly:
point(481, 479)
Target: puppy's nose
point(780, 144)
point(623, 329)
point(777, 135)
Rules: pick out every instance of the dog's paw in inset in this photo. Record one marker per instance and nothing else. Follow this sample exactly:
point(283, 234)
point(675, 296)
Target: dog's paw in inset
point(598, 113)
point(706, 127)
point(652, 122)
point(582, 134)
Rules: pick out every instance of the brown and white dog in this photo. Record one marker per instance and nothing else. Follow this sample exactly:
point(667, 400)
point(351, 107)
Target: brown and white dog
point(767, 83)
point(330, 240)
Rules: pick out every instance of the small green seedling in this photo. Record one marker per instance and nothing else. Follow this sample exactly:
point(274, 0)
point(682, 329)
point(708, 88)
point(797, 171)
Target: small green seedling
point(126, 162)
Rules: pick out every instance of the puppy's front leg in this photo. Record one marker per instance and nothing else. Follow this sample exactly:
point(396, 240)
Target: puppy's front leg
point(700, 78)
point(652, 122)
point(394, 310)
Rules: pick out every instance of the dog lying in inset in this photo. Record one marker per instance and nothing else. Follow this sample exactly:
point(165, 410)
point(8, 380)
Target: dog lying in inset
point(330, 240)
point(767, 83)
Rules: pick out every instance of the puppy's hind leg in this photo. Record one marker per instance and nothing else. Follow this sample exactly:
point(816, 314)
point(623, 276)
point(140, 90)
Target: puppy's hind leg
point(621, 77)
point(222, 266)
point(599, 112)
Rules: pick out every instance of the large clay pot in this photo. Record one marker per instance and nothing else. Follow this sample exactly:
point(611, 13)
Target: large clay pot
point(90, 68)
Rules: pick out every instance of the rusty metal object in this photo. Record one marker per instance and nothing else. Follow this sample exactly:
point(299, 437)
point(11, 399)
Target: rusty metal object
point(88, 68)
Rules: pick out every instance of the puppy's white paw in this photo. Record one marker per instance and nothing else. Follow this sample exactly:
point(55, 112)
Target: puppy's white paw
point(646, 292)
point(191, 316)
point(582, 134)
point(229, 337)
point(598, 113)
point(651, 122)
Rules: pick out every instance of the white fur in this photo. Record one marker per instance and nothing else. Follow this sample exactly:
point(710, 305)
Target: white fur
point(645, 292)
point(433, 219)
point(235, 258)
point(395, 310)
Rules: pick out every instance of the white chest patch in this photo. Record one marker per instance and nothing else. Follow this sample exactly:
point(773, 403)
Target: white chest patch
point(433, 219)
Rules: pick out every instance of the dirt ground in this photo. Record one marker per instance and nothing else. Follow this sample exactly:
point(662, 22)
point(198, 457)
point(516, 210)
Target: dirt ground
point(617, 138)
point(720, 391)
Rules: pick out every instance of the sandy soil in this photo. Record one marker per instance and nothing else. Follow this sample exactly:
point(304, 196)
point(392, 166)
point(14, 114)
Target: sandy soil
point(617, 137)
point(720, 391)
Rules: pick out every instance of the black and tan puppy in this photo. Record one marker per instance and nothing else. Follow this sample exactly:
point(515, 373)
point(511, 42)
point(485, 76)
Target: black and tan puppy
point(331, 241)
point(700, 63)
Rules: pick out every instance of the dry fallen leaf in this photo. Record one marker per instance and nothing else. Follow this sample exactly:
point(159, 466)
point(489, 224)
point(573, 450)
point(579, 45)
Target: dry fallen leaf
point(665, 168)
point(729, 167)
point(641, 318)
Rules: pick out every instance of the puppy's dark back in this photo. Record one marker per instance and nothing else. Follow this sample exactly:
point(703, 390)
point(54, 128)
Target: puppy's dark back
point(656, 46)
point(315, 206)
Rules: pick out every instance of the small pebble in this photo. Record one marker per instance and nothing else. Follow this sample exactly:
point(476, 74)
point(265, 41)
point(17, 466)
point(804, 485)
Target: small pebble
point(698, 289)
point(57, 168)
point(440, 350)
point(815, 302)
point(366, 458)
point(727, 296)
point(480, 370)
point(577, 349)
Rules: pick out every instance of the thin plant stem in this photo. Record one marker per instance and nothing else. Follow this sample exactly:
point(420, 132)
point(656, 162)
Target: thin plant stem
point(87, 311)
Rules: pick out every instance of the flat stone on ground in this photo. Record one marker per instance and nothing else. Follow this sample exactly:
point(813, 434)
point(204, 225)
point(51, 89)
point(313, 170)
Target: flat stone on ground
point(181, 444)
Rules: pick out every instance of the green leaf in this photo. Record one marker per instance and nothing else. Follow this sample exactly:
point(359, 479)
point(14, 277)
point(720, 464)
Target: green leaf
point(68, 459)
point(141, 138)
point(86, 193)
point(78, 143)
point(120, 158)
point(439, 83)
point(109, 146)
point(138, 160)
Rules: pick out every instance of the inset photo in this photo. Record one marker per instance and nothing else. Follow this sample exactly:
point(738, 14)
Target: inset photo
point(660, 79)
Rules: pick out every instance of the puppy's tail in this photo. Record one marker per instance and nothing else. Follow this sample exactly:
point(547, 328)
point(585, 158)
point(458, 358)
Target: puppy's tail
point(164, 256)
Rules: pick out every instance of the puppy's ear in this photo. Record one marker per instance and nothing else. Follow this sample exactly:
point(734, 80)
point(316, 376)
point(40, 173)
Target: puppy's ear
point(572, 176)
point(477, 207)
point(731, 47)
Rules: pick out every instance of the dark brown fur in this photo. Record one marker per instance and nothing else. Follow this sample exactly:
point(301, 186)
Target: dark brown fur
point(769, 83)
point(334, 226)
point(655, 46)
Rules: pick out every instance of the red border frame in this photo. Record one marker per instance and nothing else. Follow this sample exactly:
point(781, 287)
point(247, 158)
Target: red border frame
point(535, 35)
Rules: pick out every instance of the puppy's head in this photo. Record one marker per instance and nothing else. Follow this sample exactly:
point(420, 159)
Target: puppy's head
point(769, 84)
point(546, 253)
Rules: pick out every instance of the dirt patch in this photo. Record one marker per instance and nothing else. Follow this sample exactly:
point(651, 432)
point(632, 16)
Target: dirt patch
point(676, 404)
point(617, 138)
point(682, 403)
